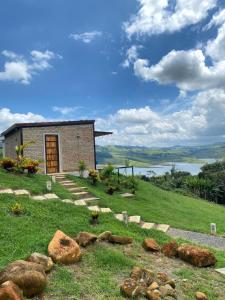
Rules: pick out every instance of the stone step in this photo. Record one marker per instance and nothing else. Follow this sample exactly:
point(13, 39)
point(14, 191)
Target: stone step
point(66, 181)
point(90, 199)
point(68, 201)
point(77, 189)
point(127, 195)
point(134, 219)
point(68, 184)
point(80, 202)
point(21, 192)
point(119, 217)
point(105, 210)
point(147, 225)
point(80, 193)
point(162, 227)
point(6, 191)
point(94, 208)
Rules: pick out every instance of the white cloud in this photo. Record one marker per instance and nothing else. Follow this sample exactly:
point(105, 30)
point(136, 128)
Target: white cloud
point(86, 37)
point(216, 48)
point(202, 122)
point(8, 118)
point(64, 110)
point(217, 20)
point(156, 17)
point(186, 69)
point(22, 70)
point(131, 55)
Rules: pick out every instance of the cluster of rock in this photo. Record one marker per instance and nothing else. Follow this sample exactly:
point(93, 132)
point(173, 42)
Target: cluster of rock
point(194, 255)
point(29, 277)
point(153, 286)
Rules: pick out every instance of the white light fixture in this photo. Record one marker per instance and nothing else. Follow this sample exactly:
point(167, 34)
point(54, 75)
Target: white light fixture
point(213, 228)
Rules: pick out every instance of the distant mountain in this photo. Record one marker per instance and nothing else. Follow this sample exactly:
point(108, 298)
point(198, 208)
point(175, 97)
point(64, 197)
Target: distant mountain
point(143, 156)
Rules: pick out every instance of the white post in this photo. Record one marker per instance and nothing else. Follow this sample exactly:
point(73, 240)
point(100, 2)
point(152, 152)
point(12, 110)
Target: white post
point(213, 228)
point(53, 179)
point(49, 186)
point(125, 217)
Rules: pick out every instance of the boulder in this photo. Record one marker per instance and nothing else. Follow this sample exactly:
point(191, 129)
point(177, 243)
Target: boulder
point(201, 296)
point(151, 245)
point(85, 238)
point(136, 273)
point(123, 240)
point(167, 290)
point(153, 286)
point(10, 291)
point(170, 249)
point(196, 256)
point(153, 294)
point(162, 278)
point(28, 276)
point(41, 259)
point(104, 236)
point(62, 249)
point(130, 288)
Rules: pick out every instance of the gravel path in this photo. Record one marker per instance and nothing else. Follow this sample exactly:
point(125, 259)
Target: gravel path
point(198, 238)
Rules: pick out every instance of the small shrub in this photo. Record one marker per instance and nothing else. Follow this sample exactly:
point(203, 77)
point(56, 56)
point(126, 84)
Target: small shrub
point(17, 209)
point(8, 163)
point(111, 189)
point(82, 168)
point(93, 175)
point(107, 171)
point(94, 217)
point(30, 165)
point(130, 183)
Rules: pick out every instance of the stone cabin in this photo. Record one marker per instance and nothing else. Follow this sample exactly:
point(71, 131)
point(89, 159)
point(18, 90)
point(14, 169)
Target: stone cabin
point(58, 145)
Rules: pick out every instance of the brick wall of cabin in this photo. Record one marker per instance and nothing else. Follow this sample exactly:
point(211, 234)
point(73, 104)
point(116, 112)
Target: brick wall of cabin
point(71, 148)
point(11, 141)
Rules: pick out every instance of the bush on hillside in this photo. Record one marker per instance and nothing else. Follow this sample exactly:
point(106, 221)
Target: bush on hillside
point(7, 163)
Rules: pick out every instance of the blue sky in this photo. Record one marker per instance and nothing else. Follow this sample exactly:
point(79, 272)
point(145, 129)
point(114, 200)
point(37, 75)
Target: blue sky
point(151, 71)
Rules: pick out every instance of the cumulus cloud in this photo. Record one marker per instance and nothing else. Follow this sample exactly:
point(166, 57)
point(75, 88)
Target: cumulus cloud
point(186, 69)
point(65, 110)
point(86, 37)
point(215, 48)
point(202, 122)
point(156, 17)
point(20, 69)
point(8, 118)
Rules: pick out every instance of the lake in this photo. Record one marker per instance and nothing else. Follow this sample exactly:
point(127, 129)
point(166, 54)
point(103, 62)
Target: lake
point(193, 168)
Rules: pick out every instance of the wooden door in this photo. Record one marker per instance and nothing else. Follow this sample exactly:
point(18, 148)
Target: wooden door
point(52, 153)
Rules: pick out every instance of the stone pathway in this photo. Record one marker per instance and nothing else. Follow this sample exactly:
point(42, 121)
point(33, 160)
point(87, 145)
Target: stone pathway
point(198, 238)
point(86, 198)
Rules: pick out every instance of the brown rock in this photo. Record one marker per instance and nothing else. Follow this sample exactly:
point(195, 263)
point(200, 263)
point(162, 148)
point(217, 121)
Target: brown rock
point(123, 240)
point(104, 236)
point(63, 249)
point(41, 259)
point(170, 249)
point(28, 276)
point(151, 245)
point(148, 276)
point(171, 282)
point(162, 278)
point(196, 256)
point(85, 238)
point(130, 288)
point(167, 290)
point(136, 273)
point(201, 296)
point(153, 286)
point(10, 291)
point(153, 295)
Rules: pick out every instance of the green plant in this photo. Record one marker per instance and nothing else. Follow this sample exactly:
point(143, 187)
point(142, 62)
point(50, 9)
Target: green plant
point(130, 183)
point(111, 189)
point(17, 209)
point(82, 167)
point(30, 165)
point(94, 217)
point(8, 163)
point(107, 171)
point(93, 175)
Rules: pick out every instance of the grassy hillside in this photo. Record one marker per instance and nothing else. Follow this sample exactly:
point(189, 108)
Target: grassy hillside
point(142, 156)
point(103, 266)
point(160, 206)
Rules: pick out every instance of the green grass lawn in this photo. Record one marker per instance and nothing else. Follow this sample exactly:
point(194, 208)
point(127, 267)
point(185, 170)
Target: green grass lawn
point(159, 206)
point(103, 266)
point(35, 184)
